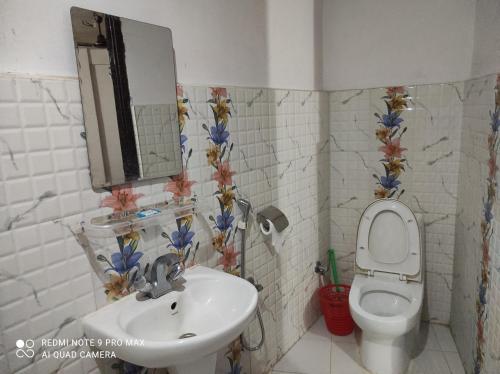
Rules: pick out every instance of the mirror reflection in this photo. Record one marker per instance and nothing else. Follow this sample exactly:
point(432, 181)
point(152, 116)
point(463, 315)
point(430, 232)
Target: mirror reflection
point(127, 82)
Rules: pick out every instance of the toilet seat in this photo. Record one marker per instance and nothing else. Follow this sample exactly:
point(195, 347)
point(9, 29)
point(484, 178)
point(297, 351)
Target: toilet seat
point(393, 325)
point(388, 240)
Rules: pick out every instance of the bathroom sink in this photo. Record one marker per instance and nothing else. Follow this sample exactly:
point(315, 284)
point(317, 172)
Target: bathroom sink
point(181, 330)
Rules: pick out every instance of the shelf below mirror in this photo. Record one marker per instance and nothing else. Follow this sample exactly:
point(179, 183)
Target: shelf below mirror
point(118, 224)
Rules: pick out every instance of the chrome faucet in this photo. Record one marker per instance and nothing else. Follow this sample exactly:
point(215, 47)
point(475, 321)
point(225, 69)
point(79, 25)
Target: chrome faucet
point(165, 271)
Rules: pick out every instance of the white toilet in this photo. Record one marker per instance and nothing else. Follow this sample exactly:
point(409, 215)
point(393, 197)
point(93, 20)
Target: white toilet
point(387, 292)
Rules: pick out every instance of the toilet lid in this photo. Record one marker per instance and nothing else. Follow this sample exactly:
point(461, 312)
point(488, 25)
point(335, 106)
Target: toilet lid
point(388, 239)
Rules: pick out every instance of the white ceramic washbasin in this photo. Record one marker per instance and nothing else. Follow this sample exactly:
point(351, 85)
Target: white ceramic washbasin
point(215, 306)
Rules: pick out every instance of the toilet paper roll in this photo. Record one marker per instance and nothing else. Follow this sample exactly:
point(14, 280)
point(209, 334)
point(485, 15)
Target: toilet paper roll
point(271, 235)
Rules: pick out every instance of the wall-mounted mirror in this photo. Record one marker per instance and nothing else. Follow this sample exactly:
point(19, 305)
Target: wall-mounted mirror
point(128, 88)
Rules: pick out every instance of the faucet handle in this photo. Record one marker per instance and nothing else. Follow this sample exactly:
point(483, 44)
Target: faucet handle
point(141, 284)
point(139, 280)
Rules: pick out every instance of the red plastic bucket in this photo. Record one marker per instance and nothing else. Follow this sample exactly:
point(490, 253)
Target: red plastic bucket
point(335, 308)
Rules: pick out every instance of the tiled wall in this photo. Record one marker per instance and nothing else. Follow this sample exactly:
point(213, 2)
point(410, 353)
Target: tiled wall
point(281, 157)
point(431, 115)
point(471, 249)
point(153, 126)
point(312, 154)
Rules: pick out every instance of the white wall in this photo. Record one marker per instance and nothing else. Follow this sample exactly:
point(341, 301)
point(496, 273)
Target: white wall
point(223, 42)
point(294, 43)
point(217, 41)
point(303, 44)
point(486, 57)
point(370, 43)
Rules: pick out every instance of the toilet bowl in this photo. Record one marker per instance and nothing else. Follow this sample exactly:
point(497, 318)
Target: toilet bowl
point(387, 292)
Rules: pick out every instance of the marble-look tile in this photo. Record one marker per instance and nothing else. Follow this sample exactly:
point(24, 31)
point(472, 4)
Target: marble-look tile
point(280, 156)
point(432, 142)
point(478, 105)
point(444, 338)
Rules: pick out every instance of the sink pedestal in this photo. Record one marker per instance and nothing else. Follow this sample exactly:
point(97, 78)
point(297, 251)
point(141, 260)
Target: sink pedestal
point(205, 365)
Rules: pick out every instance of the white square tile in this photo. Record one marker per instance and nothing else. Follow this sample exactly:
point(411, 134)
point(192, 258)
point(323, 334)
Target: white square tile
point(26, 237)
point(12, 141)
point(7, 90)
point(33, 115)
point(37, 139)
point(9, 116)
point(29, 90)
point(41, 163)
point(19, 190)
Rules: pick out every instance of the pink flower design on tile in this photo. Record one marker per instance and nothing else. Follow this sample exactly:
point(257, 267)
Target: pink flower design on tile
point(392, 149)
point(179, 90)
point(224, 174)
point(229, 256)
point(391, 91)
point(122, 199)
point(218, 92)
point(492, 167)
point(179, 185)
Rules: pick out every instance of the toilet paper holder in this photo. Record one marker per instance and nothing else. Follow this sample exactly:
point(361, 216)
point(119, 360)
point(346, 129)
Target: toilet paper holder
point(273, 215)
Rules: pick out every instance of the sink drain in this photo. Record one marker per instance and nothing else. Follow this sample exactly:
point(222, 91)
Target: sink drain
point(187, 335)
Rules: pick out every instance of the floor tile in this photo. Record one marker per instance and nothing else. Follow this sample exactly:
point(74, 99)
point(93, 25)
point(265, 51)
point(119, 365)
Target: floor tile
point(351, 338)
point(454, 362)
point(427, 338)
point(310, 355)
point(318, 351)
point(345, 359)
point(318, 330)
point(429, 362)
point(444, 338)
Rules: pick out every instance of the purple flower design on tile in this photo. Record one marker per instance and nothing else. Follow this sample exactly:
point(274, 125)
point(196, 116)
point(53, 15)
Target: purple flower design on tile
point(389, 133)
point(184, 139)
point(224, 221)
point(219, 134)
point(182, 238)
point(391, 120)
point(125, 260)
point(495, 120)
